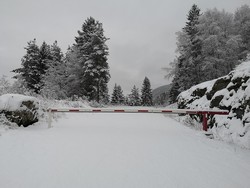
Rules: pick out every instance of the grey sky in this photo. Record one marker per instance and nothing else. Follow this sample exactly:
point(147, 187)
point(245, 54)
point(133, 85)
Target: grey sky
point(142, 32)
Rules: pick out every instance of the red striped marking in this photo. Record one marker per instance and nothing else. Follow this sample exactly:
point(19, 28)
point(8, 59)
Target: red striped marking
point(142, 110)
point(166, 111)
point(96, 110)
point(73, 110)
point(119, 110)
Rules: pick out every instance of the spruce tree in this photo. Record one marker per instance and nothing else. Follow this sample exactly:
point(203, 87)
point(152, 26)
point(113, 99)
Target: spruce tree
point(45, 61)
point(146, 93)
point(34, 66)
point(54, 80)
point(188, 64)
point(134, 97)
point(29, 73)
point(117, 95)
point(92, 53)
point(74, 85)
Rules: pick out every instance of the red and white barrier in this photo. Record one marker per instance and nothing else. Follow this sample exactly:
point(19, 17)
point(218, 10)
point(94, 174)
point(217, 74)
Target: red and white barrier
point(205, 113)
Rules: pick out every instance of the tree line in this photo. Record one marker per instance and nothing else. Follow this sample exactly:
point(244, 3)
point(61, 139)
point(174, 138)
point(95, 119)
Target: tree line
point(134, 98)
point(83, 71)
point(209, 46)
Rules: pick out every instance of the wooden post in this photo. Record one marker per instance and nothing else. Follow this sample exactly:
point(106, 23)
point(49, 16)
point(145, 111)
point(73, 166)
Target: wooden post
point(204, 121)
point(50, 118)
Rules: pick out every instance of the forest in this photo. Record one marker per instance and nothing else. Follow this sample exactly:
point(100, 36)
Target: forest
point(209, 46)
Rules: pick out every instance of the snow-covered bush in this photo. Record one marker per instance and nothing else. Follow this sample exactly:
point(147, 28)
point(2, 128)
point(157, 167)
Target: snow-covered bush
point(232, 93)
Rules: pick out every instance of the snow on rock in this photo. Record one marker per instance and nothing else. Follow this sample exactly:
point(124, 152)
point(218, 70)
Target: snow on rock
point(20, 109)
point(232, 93)
point(12, 102)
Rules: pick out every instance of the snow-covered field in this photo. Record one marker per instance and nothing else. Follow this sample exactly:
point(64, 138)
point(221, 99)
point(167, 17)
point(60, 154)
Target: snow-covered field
point(119, 150)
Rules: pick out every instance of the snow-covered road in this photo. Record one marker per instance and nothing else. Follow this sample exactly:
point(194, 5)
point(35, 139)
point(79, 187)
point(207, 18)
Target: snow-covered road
point(119, 151)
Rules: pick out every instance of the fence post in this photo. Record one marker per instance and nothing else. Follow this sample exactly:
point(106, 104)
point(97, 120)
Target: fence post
point(204, 121)
point(50, 118)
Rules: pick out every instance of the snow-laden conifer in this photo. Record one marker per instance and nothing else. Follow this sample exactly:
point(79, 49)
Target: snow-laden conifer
point(146, 93)
point(117, 97)
point(134, 97)
point(92, 52)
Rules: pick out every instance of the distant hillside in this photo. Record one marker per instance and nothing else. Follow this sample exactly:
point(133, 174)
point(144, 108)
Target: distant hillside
point(232, 93)
point(161, 95)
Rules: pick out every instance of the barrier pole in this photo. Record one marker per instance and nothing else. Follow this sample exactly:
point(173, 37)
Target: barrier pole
point(163, 111)
point(204, 121)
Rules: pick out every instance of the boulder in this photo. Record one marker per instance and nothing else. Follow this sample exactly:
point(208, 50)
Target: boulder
point(230, 92)
point(20, 109)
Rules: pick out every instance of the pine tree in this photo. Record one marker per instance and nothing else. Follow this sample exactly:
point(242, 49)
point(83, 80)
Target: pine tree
point(34, 65)
point(146, 93)
point(117, 95)
point(134, 97)
point(54, 80)
point(74, 85)
point(92, 57)
point(29, 73)
point(45, 62)
point(188, 65)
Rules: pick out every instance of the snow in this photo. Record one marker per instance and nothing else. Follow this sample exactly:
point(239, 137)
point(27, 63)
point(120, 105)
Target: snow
point(13, 102)
point(119, 150)
point(228, 128)
point(242, 70)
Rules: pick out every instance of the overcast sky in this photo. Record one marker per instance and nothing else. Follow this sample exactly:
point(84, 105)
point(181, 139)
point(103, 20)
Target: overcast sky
point(142, 32)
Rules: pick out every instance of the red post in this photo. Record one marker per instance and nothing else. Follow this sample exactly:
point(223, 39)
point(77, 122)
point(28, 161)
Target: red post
point(204, 121)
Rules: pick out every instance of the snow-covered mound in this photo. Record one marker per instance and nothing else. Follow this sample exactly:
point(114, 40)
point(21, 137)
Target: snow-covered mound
point(231, 92)
point(20, 109)
point(12, 102)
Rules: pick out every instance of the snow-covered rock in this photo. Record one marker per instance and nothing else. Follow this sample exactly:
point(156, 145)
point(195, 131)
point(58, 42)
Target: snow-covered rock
point(19, 109)
point(232, 93)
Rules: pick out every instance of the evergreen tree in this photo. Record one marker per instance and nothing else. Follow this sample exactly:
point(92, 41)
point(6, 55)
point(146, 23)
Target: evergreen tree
point(29, 73)
point(210, 47)
point(117, 96)
point(146, 93)
point(74, 85)
point(92, 56)
point(134, 97)
point(34, 65)
point(54, 80)
point(188, 64)
point(45, 61)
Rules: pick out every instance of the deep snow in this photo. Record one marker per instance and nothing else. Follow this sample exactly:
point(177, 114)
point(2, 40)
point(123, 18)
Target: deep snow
point(119, 150)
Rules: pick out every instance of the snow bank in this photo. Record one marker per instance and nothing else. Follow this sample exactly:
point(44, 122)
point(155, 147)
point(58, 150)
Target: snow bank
point(231, 92)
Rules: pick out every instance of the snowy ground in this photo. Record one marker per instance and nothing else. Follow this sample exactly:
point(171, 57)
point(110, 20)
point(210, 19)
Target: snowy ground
point(116, 151)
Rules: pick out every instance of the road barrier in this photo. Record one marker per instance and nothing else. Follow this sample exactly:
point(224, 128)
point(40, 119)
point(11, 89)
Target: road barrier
point(204, 113)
